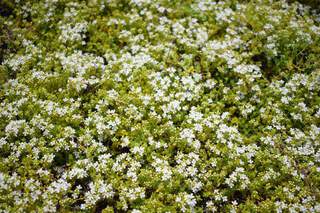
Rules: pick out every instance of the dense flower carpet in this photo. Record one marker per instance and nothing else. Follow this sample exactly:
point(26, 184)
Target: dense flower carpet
point(159, 106)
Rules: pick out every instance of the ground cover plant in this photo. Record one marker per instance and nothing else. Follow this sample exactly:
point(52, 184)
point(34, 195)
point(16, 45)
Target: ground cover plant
point(159, 106)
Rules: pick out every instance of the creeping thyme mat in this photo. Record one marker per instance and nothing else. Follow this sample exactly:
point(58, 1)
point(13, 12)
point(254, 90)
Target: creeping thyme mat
point(159, 106)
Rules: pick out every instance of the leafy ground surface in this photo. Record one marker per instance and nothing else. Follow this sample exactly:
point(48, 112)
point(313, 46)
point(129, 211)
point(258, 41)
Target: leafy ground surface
point(159, 106)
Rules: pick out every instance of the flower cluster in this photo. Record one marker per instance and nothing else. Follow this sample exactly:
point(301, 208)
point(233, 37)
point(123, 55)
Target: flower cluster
point(160, 106)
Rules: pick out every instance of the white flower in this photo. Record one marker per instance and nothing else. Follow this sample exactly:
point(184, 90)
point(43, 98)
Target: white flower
point(139, 150)
point(61, 185)
point(238, 176)
point(98, 190)
point(303, 107)
point(186, 201)
point(14, 126)
point(70, 32)
point(195, 115)
point(187, 134)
